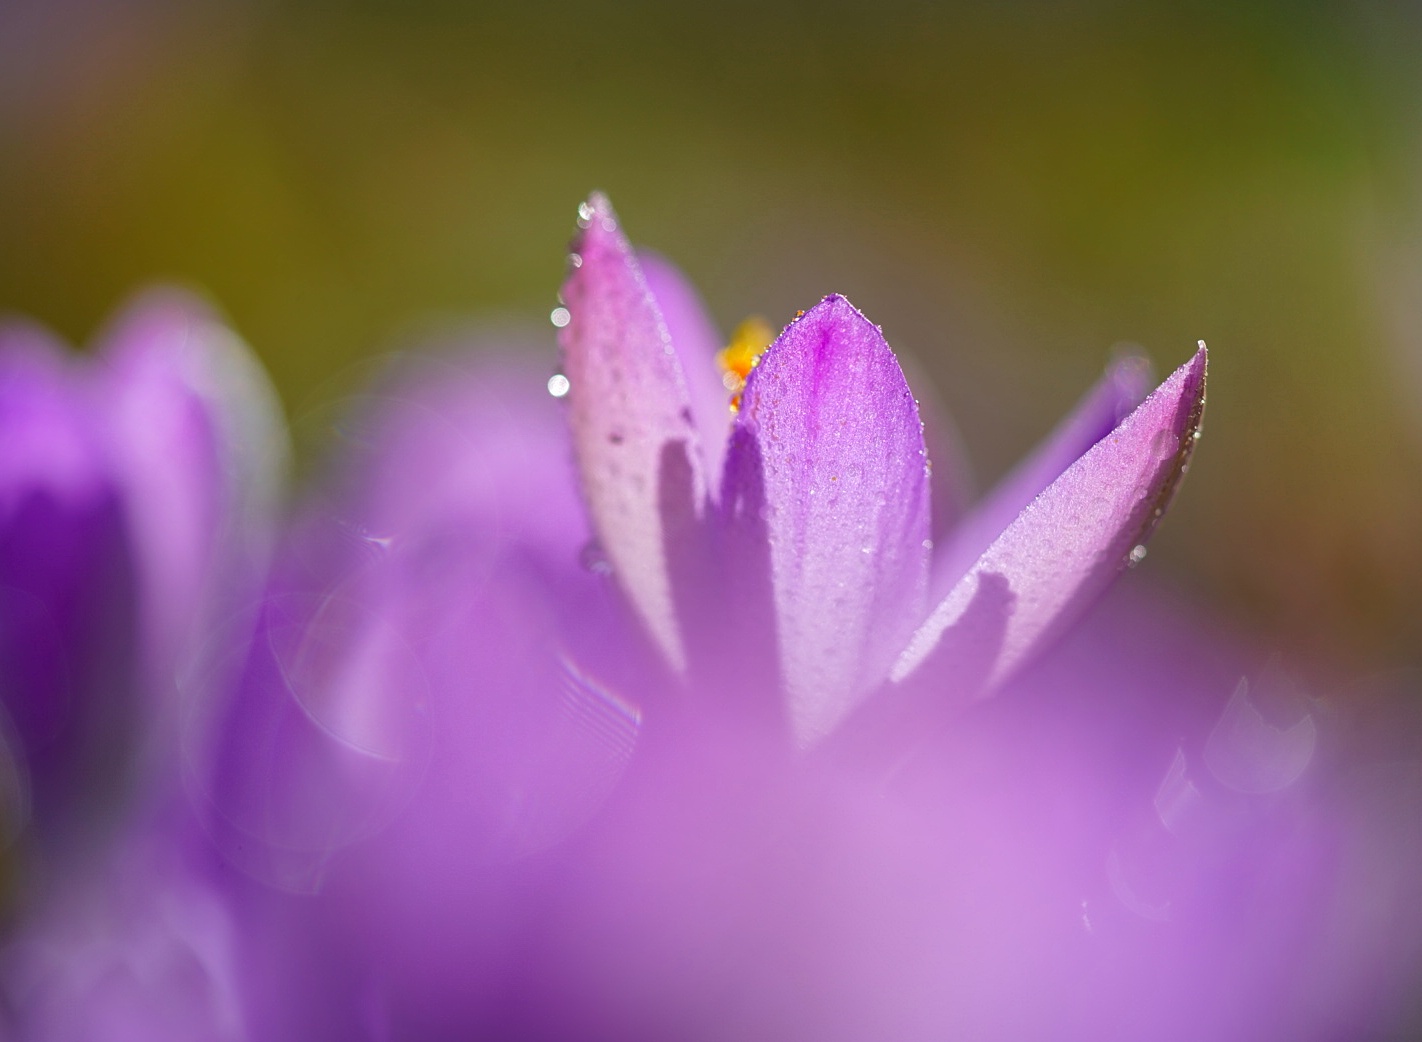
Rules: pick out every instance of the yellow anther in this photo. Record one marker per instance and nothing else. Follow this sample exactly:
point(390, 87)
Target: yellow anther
point(740, 356)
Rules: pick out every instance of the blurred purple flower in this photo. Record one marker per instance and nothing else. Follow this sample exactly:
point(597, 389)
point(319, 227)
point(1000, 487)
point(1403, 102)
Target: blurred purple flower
point(135, 940)
point(137, 493)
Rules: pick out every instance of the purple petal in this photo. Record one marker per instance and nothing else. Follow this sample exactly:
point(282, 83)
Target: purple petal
point(439, 689)
point(1071, 541)
point(697, 340)
point(199, 446)
point(631, 418)
point(138, 940)
point(49, 441)
point(1095, 416)
point(830, 431)
point(64, 649)
point(434, 664)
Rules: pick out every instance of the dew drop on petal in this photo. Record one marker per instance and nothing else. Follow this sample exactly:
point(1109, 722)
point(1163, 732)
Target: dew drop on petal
point(1165, 444)
point(593, 558)
point(585, 214)
point(559, 385)
point(1136, 556)
point(560, 317)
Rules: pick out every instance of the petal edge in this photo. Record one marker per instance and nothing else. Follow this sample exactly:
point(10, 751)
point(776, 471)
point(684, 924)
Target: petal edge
point(1075, 537)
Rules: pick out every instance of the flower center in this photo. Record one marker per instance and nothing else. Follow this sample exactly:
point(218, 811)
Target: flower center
point(740, 356)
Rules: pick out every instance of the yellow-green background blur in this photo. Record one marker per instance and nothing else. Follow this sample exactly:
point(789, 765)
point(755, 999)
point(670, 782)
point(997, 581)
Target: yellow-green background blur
point(1009, 189)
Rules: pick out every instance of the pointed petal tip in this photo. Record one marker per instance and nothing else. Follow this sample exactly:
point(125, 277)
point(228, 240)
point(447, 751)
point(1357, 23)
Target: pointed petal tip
point(832, 308)
point(838, 304)
point(1185, 385)
point(596, 215)
point(1193, 374)
point(1192, 379)
point(1079, 532)
point(833, 446)
point(627, 406)
point(1185, 390)
point(1201, 359)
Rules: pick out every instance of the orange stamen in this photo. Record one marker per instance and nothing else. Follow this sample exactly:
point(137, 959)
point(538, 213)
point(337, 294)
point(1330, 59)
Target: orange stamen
point(741, 355)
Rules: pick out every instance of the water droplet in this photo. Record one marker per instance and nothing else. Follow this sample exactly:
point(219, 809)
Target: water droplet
point(1136, 556)
point(585, 214)
point(928, 544)
point(1164, 444)
point(559, 385)
point(575, 260)
point(594, 558)
point(560, 317)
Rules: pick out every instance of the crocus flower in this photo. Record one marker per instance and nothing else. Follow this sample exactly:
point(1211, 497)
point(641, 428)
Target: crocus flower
point(485, 685)
point(137, 488)
point(813, 521)
point(136, 492)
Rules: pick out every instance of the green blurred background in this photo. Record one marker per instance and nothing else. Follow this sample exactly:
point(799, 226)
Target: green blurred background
point(1011, 190)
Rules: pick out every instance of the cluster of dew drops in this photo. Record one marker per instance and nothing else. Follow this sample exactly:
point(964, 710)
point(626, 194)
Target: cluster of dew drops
point(558, 384)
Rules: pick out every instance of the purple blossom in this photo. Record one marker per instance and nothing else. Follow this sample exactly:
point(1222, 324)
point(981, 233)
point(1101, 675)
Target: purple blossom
point(820, 513)
point(491, 698)
point(684, 733)
point(136, 492)
point(137, 488)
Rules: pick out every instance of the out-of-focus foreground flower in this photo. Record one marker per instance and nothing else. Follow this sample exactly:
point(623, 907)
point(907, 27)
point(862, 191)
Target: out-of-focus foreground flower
point(682, 732)
point(137, 497)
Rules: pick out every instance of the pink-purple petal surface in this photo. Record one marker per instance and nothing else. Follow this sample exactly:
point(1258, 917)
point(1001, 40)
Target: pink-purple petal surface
point(49, 441)
point(631, 419)
point(1069, 542)
point(138, 941)
point(196, 439)
point(1119, 391)
point(440, 689)
point(830, 431)
point(696, 339)
point(65, 639)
